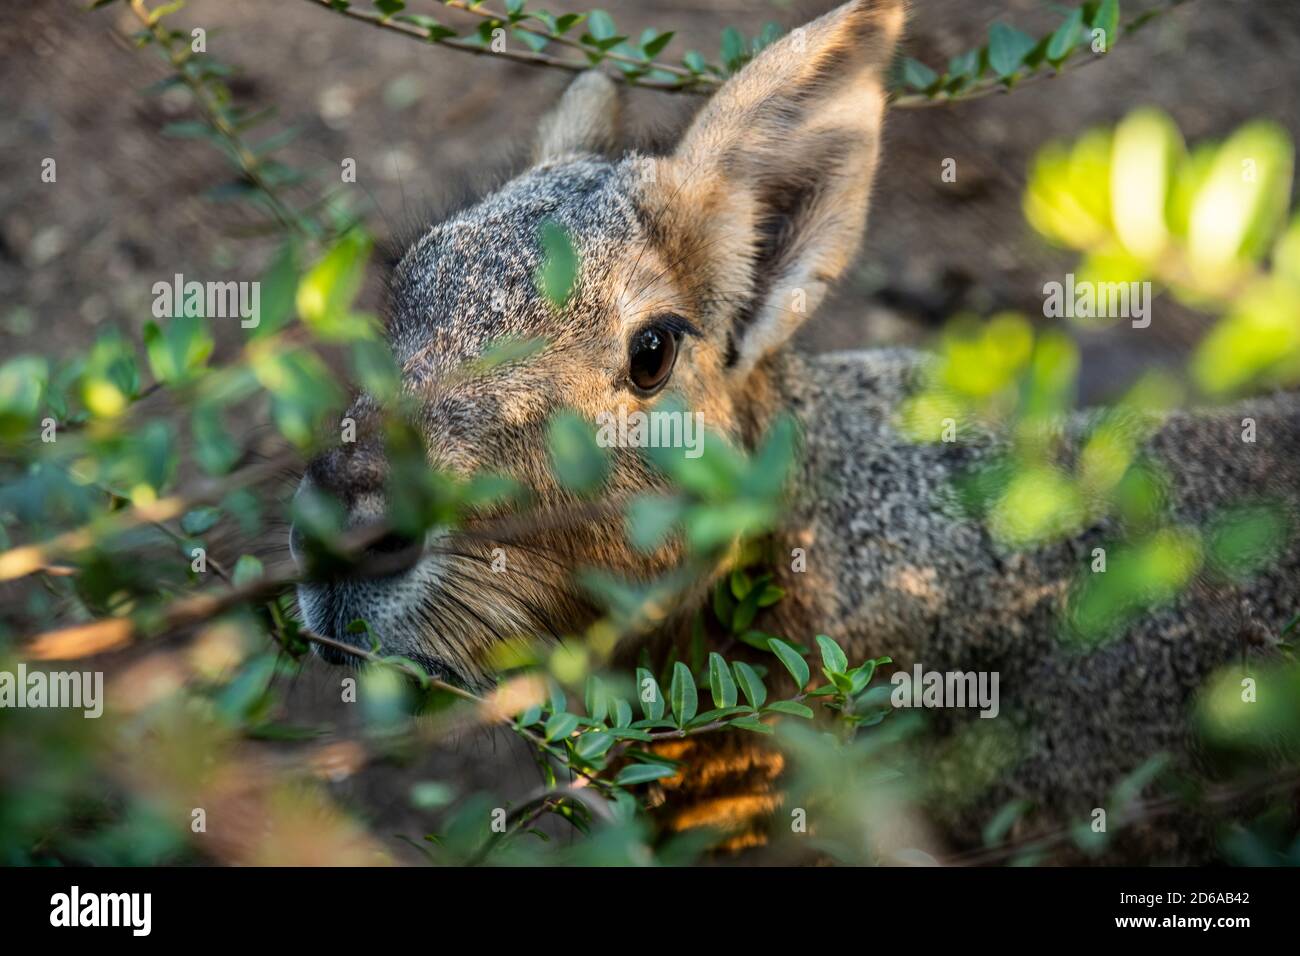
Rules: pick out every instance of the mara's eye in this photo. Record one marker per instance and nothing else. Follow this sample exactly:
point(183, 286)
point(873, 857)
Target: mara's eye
point(651, 357)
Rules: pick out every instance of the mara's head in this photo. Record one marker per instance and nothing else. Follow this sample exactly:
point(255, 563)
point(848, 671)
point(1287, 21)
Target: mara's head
point(693, 270)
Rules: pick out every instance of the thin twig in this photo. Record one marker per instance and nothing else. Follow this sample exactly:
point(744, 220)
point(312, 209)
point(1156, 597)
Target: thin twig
point(484, 13)
point(247, 160)
point(426, 679)
point(27, 559)
point(692, 82)
point(420, 33)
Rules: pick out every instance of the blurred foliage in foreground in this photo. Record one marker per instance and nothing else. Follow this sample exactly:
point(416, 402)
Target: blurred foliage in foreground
point(1208, 226)
point(1212, 227)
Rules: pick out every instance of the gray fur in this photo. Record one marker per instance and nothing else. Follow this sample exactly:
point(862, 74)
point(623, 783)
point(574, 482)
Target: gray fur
point(884, 521)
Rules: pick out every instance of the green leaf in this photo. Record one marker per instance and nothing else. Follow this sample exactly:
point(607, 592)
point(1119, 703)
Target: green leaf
point(631, 733)
point(601, 25)
point(373, 368)
point(719, 713)
point(1008, 48)
point(304, 391)
point(509, 350)
point(428, 794)
point(22, 382)
point(745, 611)
point(795, 664)
point(279, 285)
point(832, 655)
point(770, 33)
point(767, 472)
point(622, 713)
point(1243, 540)
point(1137, 780)
point(389, 7)
point(555, 697)
point(636, 773)
point(751, 723)
point(792, 707)
point(860, 677)
point(649, 694)
point(965, 66)
point(721, 685)
point(568, 21)
point(178, 351)
point(1107, 18)
point(595, 698)
point(579, 463)
point(1001, 823)
point(247, 569)
point(755, 639)
point(595, 744)
point(200, 520)
point(734, 51)
point(655, 46)
point(740, 583)
point(529, 39)
point(214, 449)
point(919, 76)
point(434, 30)
point(559, 269)
point(650, 518)
point(605, 45)
point(189, 129)
point(685, 698)
point(750, 684)
point(111, 379)
point(560, 725)
point(326, 292)
point(1065, 38)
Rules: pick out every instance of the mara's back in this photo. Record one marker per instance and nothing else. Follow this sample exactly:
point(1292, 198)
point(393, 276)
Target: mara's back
point(901, 567)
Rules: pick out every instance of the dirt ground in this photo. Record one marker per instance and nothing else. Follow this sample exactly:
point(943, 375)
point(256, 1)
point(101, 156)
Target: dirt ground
point(422, 122)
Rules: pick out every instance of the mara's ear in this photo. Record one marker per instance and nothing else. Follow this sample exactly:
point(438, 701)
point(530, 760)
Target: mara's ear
point(765, 199)
point(586, 120)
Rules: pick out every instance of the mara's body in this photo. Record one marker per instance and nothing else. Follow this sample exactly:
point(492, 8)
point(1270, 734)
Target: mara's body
point(897, 566)
point(695, 270)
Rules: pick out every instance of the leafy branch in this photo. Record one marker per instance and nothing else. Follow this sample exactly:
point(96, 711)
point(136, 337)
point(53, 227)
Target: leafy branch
point(1009, 58)
point(597, 742)
point(1012, 57)
point(263, 177)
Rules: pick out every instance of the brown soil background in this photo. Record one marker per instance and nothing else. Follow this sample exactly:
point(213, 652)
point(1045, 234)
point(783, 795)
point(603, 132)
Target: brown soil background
point(423, 123)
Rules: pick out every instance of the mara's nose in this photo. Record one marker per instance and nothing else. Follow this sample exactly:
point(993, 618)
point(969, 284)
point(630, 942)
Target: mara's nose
point(391, 554)
point(354, 476)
